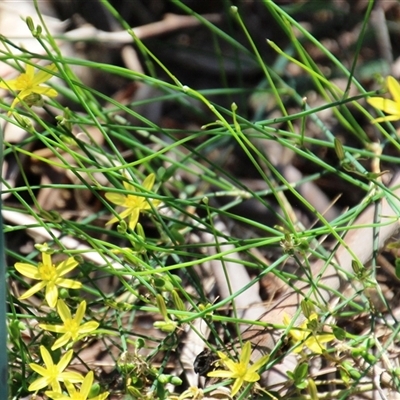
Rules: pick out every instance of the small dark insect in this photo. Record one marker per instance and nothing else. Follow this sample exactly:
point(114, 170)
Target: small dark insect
point(112, 380)
point(203, 362)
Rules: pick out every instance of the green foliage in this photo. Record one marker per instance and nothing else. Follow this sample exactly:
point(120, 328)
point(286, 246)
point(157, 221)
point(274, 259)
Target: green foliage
point(159, 194)
point(299, 376)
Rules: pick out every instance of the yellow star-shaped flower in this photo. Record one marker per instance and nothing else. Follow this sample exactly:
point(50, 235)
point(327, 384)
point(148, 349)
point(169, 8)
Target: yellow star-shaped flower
point(29, 83)
point(53, 374)
point(134, 204)
point(241, 371)
point(50, 276)
point(74, 394)
point(305, 337)
point(72, 328)
point(389, 106)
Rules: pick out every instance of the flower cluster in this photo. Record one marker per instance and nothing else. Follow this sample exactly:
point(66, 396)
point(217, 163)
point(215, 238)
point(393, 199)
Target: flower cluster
point(74, 394)
point(241, 371)
point(72, 329)
point(29, 86)
point(51, 277)
point(134, 204)
point(304, 336)
point(53, 374)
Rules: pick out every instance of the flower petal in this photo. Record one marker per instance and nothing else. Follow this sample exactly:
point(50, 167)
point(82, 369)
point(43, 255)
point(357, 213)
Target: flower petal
point(29, 71)
point(298, 334)
point(231, 365)
point(15, 102)
point(45, 90)
point(63, 311)
point(126, 212)
point(298, 349)
point(251, 376)
point(148, 183)
point(236, 386)
point(61, 341)
point(134, 218)
point(38, 369)
point(39, 383)
point(46, 259)
point(71, 388)
point(88, 327)
point(116, 198)
point(68, 283)
point(386, 105)
point(66, 266)
point(314, 346)
point(155, 203)
point(394, 88)
point(47, 359)
point(259, 363)
point(28, 270)
point(71, 376)
point(145, 205)
point(220, 373)
point(325, 338)
point(128, 186)
point(246, 352)
point(86, 385)
point(9, 85)
point(55, 385)
point(53, 328)
point(54, 395)
point(65, 359)
point(113, 221)
point(376, 102)
point(43, 76)
point(80, 312)
point(387, 118)
point(51, 295)
point(315, 343)
point(222, 356)
point(35, 288)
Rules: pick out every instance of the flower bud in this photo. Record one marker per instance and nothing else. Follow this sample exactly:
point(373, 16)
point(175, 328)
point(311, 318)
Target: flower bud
point(161, 306)
point(29, 22)
point(165, 326)
point(94, 390)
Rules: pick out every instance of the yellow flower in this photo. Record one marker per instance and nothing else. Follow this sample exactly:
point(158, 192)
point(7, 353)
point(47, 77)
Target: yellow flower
point(74, 394)
point(391, 107)
point(50, 276)
point(29, 83)
point(53, 374)
point(307, 337)
point(134, 204)
point(241, 371)
point(72, 328)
